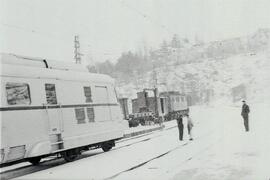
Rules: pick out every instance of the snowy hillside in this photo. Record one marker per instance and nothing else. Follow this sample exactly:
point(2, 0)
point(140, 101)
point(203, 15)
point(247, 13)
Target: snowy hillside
point(216, 75)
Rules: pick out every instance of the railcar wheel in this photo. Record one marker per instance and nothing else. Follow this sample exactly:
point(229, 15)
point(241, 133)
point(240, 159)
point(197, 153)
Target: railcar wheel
point(70, 155)
point(106, 146)
point(34, 160)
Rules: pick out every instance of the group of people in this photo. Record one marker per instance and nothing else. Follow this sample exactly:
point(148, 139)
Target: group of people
point(244, 113)
point(180, 124)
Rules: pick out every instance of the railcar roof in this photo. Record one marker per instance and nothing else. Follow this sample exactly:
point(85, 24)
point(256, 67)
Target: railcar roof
point(40, 62)
point(177, 93)
point(36, 68)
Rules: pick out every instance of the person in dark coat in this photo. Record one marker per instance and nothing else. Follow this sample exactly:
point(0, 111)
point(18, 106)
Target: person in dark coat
point(244, 114)
point(180, 126)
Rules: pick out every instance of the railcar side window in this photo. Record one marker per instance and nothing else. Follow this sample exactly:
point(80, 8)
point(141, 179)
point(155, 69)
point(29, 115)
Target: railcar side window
point(18, 93)
point(91, 114)
point(88, 94)
point(50, 93)
point(80, 115)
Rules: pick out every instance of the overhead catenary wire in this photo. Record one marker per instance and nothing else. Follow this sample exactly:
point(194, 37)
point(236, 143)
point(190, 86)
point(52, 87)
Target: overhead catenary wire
point(69, 37)
point(66, 39)
point(43, 33)
point(149, 18)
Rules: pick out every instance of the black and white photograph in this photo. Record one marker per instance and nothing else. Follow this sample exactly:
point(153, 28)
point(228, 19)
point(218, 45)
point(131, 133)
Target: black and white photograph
point(135, 89)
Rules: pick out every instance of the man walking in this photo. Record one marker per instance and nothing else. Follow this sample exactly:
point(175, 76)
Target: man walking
point(244, 113)
point(180, 126)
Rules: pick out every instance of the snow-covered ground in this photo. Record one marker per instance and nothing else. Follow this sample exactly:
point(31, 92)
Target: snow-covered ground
point(228, 153)
point(221, 150)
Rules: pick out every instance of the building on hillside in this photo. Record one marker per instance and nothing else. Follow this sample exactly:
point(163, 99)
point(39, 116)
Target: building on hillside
point(206, 95)
point(238, 93)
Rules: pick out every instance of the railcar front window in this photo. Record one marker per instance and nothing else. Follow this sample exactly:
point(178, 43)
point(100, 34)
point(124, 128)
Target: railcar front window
point(18, 93)
point(50, 93)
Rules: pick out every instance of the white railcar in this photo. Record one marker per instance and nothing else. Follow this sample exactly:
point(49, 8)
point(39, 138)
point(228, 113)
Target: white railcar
point(49, 107)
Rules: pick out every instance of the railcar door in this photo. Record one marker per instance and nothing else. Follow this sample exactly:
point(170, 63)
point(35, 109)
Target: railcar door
point(53, 109)
point(102, 99)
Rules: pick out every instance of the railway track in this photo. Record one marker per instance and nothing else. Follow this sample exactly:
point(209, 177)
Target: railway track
point(54, 161)
point(188, 158)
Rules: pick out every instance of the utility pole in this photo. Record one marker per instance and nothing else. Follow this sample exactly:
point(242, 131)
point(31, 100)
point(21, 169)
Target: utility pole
point(155, 89)
point(155, 80)
point(77, 54)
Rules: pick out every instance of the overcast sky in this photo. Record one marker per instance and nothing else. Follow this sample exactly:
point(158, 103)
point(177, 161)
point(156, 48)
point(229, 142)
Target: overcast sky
point(46, 28)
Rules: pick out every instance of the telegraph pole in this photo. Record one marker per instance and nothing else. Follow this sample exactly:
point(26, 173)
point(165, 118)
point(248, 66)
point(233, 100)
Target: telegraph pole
point(77, 54)
point(155, 89)
point(155, 80)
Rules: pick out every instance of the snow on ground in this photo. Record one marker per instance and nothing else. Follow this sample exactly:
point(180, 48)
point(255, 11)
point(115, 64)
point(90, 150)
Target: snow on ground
point(221, 150)
point(229, 153)
point(239, 155)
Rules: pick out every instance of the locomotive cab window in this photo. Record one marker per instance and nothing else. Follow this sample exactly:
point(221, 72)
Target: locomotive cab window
point(87, 94)
point(18, 93)
point(50, 93)
point(182, 99)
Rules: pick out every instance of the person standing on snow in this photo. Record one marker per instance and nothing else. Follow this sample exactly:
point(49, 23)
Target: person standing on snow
point(244, 113)
point(190, 126)
point(180, 126)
